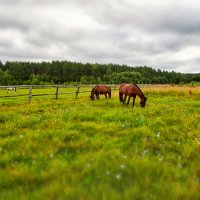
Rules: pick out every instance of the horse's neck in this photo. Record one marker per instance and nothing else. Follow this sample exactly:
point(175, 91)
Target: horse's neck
point(141, 95)
point(139, 92)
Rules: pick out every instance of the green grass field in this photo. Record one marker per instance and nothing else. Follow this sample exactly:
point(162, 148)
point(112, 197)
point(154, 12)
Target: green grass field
point(81, 149)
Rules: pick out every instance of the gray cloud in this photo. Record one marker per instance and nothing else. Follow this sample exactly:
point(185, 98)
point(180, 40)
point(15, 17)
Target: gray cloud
point(161, 34)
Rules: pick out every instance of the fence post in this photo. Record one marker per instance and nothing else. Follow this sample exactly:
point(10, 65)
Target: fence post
point(57, 92)
point(77, 91)
point(30, 94)
point(115, 87)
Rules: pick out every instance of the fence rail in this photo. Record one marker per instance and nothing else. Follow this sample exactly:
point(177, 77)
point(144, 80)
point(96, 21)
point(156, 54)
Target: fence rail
point(56, 93)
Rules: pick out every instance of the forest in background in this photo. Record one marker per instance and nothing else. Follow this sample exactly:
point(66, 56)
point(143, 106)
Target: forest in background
point(66, 72)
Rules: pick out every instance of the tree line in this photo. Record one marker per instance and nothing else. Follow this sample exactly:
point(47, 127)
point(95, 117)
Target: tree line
point(66, 72)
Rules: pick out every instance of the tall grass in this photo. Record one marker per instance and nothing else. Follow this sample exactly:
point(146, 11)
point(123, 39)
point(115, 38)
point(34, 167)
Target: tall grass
point(80, 149)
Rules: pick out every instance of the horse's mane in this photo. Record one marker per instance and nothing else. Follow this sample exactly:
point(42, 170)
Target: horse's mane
point(138, 88)
point(93, 89)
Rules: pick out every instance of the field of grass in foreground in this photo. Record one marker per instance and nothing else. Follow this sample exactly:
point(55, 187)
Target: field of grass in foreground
point(80, 149)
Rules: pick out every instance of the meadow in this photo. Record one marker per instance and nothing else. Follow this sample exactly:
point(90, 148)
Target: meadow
point(75, 148)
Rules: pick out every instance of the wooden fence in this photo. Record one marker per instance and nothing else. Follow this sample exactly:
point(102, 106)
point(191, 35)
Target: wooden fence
point(57, 92)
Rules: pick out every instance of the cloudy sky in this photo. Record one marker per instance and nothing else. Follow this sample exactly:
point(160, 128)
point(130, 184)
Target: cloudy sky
point(161, 34)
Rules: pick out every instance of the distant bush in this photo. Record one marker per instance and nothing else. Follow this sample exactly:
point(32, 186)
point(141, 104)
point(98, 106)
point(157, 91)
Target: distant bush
point(194, 83)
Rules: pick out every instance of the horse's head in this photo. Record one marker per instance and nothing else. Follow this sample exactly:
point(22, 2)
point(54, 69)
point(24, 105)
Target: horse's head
point(143, 102)
point(92, 97)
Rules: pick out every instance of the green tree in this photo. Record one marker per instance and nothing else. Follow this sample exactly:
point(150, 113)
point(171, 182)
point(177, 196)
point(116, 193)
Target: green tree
point(5, 78)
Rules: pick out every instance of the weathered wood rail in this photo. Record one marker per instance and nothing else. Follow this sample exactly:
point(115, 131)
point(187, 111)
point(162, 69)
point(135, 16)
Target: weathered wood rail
point(57, 92)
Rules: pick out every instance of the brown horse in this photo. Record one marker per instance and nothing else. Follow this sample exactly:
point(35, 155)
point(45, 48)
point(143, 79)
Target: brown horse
point(100, 89)
point(131, 90)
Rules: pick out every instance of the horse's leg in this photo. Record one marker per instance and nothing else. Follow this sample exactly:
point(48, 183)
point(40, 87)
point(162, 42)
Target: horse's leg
point(109, 94)
point(124, 101)
point(133, 101)
point(128, 101)
point(96, 94)
point(106, 95)
point(120, 96)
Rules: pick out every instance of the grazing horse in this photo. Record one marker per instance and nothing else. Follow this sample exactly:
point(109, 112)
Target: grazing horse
point(100, 89)
point(9, 89)
point(131, 90)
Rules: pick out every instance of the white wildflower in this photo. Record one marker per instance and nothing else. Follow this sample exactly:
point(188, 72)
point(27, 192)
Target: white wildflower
point(124, 156)
point(118, 176)
point(160, 159)
point(51, 155)
point(144, 152)
point(122, 166)
point(88, 165)
point(108, 172)
point(179, 165)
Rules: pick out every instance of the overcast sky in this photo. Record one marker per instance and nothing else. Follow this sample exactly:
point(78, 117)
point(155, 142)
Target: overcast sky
point(163, 34)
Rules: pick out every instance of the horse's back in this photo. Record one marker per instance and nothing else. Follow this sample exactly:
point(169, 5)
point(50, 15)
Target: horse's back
point(124, 87)
point(102, 89)
point(129, 89)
